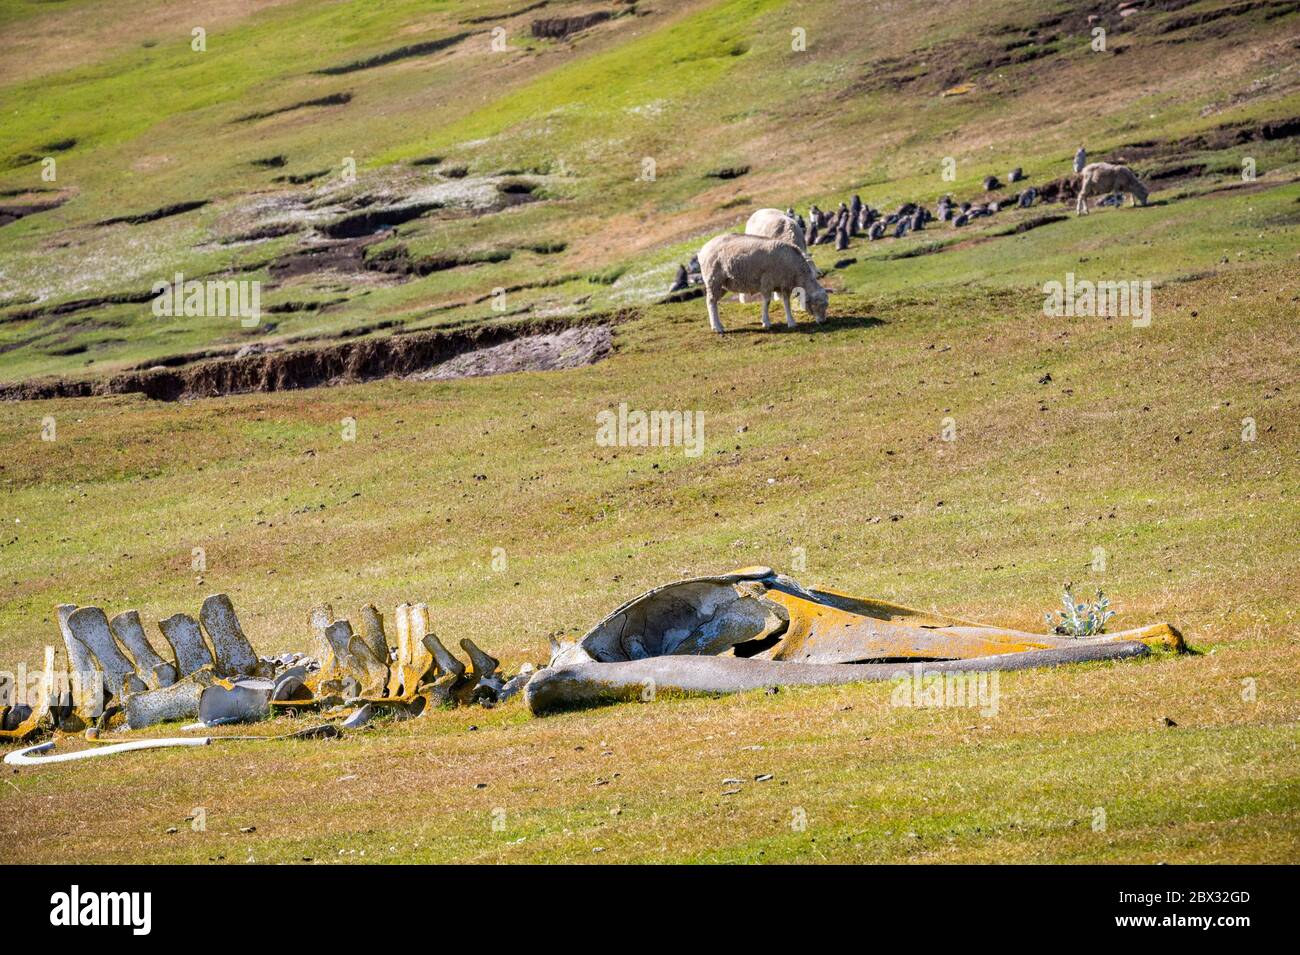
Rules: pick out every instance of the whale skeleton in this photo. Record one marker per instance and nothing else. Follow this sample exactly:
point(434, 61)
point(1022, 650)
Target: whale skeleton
point(749, 629)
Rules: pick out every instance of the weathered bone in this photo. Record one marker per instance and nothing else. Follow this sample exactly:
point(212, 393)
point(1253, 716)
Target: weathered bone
point(353, 658)
point(156, 672)
point(486, 681)
point(240, 701)
point(516, 683)
point(705, 615)
point(412, 662)
point(182, 633)
point(589, 684)
point(372, 633)
point(290, 684)
point(447, 663)
point(87, 696)
point(321, 617)
point(755, 628)
point(359, 717)
point(484, 665)
point(90, 626)
point(443, 690)
point(402, 623)
point(179, 701)
point(418, 664)
point(12, 717)
point(79, 656)
point(231, 650)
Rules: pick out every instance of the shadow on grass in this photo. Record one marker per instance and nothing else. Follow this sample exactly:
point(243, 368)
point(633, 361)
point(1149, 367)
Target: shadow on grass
point(833, 323)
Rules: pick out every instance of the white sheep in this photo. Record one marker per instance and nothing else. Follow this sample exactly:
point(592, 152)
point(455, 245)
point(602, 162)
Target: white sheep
point(1103, 179)
point(757, 266)
point(775, 224)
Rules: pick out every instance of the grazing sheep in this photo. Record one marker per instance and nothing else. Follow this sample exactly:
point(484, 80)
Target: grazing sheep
point(754, 265)
point(1102, 179)
point(775, 224)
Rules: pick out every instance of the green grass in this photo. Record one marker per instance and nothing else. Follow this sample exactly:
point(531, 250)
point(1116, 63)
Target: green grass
point(1038, 477)
point(822, 446)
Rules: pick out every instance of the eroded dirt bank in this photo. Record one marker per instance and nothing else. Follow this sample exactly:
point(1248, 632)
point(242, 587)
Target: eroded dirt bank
point(536, 345)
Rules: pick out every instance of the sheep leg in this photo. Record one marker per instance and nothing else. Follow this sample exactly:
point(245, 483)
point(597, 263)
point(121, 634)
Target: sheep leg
point(767, 322)
point(785, 303)
point(714, 322)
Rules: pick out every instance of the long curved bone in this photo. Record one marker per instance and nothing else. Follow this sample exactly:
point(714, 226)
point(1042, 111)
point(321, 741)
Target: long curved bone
point(28, 757)
point(587, 684)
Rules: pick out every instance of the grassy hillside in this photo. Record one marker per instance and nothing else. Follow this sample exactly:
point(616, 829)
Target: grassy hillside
point(143, 122)
point(823, 446)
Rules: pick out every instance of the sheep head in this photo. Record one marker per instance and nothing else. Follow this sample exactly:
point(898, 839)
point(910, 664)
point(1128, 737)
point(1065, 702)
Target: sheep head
point(816, 301)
